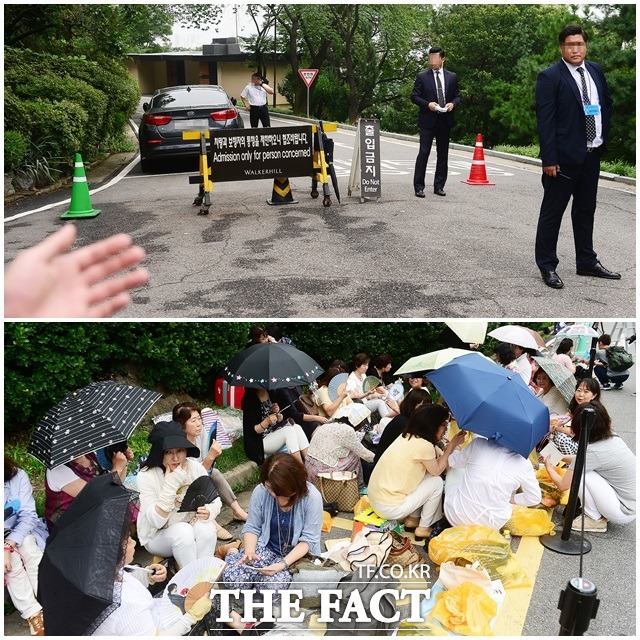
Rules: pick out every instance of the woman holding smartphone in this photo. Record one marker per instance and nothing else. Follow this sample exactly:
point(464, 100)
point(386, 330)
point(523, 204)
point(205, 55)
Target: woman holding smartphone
point(284, 524)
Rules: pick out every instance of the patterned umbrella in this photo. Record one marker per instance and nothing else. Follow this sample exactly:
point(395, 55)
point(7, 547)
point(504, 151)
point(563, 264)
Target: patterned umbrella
point(88, 419)
point(271, 366)
point(561, 377)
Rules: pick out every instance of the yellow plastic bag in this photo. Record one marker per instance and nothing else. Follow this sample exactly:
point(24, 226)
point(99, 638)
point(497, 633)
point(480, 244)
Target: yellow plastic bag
point(477, 542)
point(550, 493)
point(529, 522)
point(327, 521)
point(466, 610)
point(361, 505)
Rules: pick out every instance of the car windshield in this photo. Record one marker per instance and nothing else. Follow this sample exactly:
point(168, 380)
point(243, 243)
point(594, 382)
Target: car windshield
point(181, 99)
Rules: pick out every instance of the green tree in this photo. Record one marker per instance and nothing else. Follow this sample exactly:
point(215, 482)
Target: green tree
point(612, 44)
point(497, 50)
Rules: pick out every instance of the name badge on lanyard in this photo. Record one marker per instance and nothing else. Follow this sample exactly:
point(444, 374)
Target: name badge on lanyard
point(591, 109)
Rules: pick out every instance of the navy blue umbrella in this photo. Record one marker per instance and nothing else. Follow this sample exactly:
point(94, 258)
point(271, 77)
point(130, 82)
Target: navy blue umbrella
point(492, 401)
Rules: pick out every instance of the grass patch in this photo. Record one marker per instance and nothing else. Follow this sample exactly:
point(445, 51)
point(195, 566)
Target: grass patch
point(619, 168)
point(532, 151)
point(232, 458)
point(609, 166)
point(249, 483)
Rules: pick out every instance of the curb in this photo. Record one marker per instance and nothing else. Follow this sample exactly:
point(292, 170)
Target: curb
point(613, 177)
point(240, 474)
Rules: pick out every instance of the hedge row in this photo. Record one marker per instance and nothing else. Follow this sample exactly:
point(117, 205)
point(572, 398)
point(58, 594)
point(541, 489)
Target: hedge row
point(77, 105)
point(44, 361)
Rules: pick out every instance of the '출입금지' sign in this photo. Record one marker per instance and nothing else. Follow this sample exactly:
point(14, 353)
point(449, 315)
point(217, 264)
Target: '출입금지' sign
point(369, 134)
point(254, 154)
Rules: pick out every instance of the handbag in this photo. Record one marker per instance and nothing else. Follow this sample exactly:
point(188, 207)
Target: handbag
point(305, 404)
point(370, 548)
point(402, 551)
point(340, 487)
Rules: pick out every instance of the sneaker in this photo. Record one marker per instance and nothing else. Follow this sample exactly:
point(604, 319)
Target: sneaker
point(36, 624)
point(595, 526)
point(617, 386)
point(605, 385)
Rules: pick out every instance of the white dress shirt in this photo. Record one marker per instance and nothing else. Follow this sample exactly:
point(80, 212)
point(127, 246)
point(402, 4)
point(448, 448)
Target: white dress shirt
point(435, 82)
point(594, 98)
point(257, 95)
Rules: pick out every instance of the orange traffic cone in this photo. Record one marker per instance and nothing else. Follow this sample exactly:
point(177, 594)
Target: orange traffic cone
point(80, 206)
point(478, 173)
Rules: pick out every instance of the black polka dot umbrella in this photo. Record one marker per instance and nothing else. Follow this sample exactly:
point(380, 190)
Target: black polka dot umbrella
point(88, 419)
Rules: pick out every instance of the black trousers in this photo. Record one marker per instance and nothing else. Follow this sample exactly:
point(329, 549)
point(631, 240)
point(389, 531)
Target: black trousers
point(259, 114)
point(440, 131)
point(581, 183)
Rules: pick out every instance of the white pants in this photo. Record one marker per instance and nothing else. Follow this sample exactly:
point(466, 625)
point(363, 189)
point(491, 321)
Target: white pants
point(600, 500)
point(292, 436)
point(424, 503)
point(378, 405)
point(185, 542)
point(22, 581)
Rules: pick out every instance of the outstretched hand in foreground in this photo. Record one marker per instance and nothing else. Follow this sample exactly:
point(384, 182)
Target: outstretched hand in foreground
point(45, 282)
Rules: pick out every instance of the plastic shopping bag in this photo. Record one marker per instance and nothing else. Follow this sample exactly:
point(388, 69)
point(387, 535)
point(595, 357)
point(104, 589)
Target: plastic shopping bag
point(529, 522)
point(466, 609)
point(471, 543)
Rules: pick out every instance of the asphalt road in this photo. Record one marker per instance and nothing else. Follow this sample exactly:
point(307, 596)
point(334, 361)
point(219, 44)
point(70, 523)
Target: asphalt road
point(469, 254)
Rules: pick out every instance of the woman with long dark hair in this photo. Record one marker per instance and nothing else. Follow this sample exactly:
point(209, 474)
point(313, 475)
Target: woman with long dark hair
point(406, 482)
point(610, 468)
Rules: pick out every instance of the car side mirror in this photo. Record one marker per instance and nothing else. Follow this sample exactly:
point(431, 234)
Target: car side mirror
point(234, 102)
point(145, 106)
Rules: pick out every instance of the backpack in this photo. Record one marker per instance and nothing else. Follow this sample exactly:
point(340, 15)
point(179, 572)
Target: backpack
point(367, 581)
point(619, 358)
point(305, 404)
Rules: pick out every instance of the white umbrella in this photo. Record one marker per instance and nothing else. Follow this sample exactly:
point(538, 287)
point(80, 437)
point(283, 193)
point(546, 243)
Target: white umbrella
point(471, 332)
point(522, 336)
point(432, 360)
point(577, 330)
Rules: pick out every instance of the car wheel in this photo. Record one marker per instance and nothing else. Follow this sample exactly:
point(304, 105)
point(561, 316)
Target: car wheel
point(147, 165)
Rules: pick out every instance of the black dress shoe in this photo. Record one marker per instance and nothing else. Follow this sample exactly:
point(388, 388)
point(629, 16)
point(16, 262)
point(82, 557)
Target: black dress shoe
point(420, 194)
point(598, 271)
point(439, 192)
point(552, 279)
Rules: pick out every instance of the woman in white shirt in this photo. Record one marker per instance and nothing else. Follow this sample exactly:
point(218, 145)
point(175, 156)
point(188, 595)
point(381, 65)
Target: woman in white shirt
point(487, 489)
point(162, 481)
point(373, 399)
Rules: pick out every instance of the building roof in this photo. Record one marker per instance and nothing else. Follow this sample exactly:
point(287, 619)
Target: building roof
point(220, 50)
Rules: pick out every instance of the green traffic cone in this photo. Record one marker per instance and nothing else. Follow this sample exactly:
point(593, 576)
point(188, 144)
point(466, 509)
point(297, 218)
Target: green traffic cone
point(80, 206)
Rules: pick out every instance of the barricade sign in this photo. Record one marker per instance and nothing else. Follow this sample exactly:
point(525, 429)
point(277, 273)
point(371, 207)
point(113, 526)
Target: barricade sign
point(365, 164)
point(252, 154)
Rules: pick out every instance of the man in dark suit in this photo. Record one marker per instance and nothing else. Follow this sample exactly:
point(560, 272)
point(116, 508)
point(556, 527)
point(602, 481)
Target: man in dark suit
point(436, 93)
point(574, 111)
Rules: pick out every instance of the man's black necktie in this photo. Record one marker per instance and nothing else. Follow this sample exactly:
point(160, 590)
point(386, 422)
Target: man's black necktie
point(591, 120)
point(440, 93)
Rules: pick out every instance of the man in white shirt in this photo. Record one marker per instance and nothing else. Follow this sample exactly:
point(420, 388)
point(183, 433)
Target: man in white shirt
point(256, 94)
point(574, 112)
